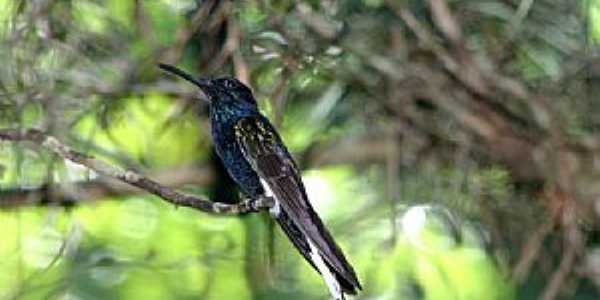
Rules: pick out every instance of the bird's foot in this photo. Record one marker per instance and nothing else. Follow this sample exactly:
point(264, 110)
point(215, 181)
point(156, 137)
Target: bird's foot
point(256, 204)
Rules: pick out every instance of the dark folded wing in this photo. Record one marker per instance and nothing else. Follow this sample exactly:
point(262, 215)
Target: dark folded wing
point(267, 155)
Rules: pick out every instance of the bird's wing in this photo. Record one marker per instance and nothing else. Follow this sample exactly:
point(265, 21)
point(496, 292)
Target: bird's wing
point(264, 150)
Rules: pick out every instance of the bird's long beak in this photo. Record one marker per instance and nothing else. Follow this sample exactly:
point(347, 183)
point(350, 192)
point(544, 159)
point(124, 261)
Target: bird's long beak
point(203, 84)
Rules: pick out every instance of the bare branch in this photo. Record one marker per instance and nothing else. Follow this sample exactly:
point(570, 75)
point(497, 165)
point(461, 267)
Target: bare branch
point(446, 21)
point(73, 193)
point(530, 252)
point(166, 193)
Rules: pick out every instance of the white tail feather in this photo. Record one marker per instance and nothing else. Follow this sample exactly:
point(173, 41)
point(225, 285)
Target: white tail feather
point(332, 283)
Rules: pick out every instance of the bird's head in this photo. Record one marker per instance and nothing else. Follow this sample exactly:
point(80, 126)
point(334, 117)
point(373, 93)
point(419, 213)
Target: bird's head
point(221, 92)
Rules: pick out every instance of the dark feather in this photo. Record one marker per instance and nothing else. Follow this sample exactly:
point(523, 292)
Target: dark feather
point(263, 149)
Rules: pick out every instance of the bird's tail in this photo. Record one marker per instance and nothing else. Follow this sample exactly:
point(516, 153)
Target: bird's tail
point(337, 283)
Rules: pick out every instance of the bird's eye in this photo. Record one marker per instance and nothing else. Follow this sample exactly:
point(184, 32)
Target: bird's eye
point(228, 84)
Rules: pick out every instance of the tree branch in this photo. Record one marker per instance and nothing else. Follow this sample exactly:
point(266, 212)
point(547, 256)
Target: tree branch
point(130, 177)
point(73, 193)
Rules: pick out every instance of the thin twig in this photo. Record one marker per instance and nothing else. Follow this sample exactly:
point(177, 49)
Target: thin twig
point(166, 193)
point(530, 252)
point(559, 276)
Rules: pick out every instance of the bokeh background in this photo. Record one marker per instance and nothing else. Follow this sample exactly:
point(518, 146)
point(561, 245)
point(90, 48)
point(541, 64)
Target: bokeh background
point(451, 146)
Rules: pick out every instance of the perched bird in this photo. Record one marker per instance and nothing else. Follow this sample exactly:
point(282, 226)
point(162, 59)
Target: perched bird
point(260, 164)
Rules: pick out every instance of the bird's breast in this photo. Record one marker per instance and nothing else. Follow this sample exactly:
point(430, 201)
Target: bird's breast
point(233, 159)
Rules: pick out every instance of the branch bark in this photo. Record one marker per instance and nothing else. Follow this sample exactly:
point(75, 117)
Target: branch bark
point(132, 178)
point(73, 193)
point(346, 151)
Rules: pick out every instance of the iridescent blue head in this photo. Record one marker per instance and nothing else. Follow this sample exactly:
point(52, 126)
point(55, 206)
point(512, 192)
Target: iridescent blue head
point(225, 94)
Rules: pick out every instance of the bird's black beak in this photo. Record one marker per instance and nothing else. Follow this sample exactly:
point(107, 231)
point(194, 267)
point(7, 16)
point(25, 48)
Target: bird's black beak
point(203, 84)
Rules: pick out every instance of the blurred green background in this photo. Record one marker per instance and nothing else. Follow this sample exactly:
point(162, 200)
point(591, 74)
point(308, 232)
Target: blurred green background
point(447, 166)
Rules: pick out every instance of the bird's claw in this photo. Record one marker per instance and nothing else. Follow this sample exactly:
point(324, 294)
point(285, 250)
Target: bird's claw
point(254, 205)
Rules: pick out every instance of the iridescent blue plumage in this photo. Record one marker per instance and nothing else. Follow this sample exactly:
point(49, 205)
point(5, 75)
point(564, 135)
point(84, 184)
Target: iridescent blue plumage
point(223, 120)
point(258, 161)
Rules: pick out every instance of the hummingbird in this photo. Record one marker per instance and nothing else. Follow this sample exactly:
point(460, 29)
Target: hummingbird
point(257, 160)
